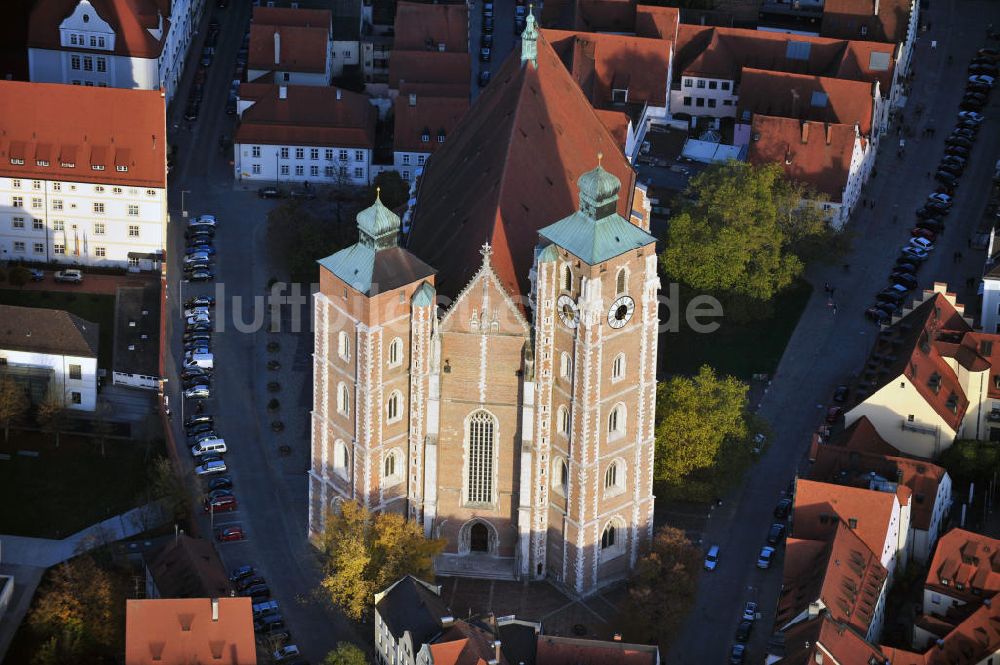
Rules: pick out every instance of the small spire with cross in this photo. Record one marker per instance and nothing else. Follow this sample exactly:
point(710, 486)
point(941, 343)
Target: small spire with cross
point(486, 251)
point(529, 39)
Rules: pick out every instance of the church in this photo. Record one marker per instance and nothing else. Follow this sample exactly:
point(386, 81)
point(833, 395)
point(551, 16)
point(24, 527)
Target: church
point(491, 372)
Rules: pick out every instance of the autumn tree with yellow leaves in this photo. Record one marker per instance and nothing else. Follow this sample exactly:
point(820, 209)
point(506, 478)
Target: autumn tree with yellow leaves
point(365, 552)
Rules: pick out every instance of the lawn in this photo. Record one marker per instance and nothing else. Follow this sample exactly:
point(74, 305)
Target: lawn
point(68, 488)
point(739, 347)
point(97, 308)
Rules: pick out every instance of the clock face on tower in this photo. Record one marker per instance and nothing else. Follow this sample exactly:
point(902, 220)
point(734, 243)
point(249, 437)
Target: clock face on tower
point(568, 311)
point(621, 311)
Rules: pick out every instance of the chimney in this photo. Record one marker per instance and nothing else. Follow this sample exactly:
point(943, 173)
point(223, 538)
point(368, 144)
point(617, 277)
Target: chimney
point(338, 94)
point(617, 637)
point(215, 609)
point(829, 134)
point(447, 621)
point(283, 92)
point(413, 99)
point(277, 47)
point(805, 132)
point(496, 649)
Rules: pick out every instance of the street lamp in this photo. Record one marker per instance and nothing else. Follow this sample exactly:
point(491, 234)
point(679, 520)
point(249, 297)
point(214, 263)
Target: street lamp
point(184, 212)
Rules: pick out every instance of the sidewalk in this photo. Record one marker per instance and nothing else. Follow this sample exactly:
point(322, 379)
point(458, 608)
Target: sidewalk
point(44, 553)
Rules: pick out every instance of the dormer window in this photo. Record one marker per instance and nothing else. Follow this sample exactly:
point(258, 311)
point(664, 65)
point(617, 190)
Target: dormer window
point(945, 581)
point(67, 165)
point(952, 403)
point(41, 162)
point(121, 168)
point(934, 383)
point(97, 167)
point(440, 136)
point(425, 136)
point(619, 96)
point(16, 161)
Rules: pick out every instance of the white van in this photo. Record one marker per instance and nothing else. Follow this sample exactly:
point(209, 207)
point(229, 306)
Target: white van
point(205, 360)
point(207, 446)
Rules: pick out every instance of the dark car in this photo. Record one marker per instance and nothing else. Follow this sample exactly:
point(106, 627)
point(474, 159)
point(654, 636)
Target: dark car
point(927, 212)
point(245, 584)
point(241, 573)
point(269, 623)
point(971, 105)
point(906, 264)
point(486, 40)
point(979, 88)
point(777, 531)
point(783, 509)
point(220, 483)
point(737, 653)
point(200, 428)
point(231, 107)
point(484, 78)
point(196, 420)
point(904, 279)
point(202, 276)
point(958, 140)
point(952, 168)
point(983, 68)
point(877, 315)
point(256, 591)
point(197, 372)
point(946, 178)
point(935, 225)
point(958, 150)
point(485, 54)
point(305, 194)
point(964, 133)
point(890, 295)
point(199, 230)
point(269, 193)
point(199, 301)
point(944, 206)
point(487, 24)
point(840, 394)
point(743, 631)
point(191, 113)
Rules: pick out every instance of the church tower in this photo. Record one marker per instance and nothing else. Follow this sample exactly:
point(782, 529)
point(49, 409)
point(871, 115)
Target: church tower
point(372, 320)
point(595, 336)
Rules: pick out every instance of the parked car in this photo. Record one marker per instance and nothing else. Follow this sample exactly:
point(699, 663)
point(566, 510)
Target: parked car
point(894, 294)
point(878, 316)
point(286, 653)
point(929, 213)
point(935, 225)
point(485, 54)
point(71, 276)
point(750, 611)
point(201, 276)
point(221, 504)
point(231, 534)
point(248, 582)
point(259, 591)
point(199, 420)
point(971, 115)
point(198, 392)
point(269, 193)
point(765, 557)
point(36, 274)
point(777, 531)
point(240, 573)
point(484, 78)
point(840, 394)
point(200, 301)
point(712, 558)
point(211, 466)
point(199, 248)
point(918, 232)
point(909, 281)
point(743, 631)
point(922, 243)
point(946, 178)
point(958, 150)
point(906, 264)
point(223, 483)
point(203, 220)
point(959, 141)
point(304, 194)
point(737, 654)
point(270, 624)
point(198, 231)
point(783, 509)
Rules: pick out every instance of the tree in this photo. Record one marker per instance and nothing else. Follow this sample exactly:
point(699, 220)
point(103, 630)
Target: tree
point(345, 654)
point(51, 416)
point(298, 237)
point(695, 416)
point(364, 553)
point(14, 403)
point(19, 276)
point(971, 461)
point(79, 611)
point(173, 489)
point(392, 189)
point(743, 230)
point(663, 586)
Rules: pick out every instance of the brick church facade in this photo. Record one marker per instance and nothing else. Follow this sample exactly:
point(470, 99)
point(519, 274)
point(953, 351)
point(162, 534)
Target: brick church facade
point(491, 373)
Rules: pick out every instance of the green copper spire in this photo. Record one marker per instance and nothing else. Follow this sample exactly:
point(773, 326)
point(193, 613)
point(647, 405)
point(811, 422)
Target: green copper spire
point(598, 191)
point(529, 39)
point(378, 226)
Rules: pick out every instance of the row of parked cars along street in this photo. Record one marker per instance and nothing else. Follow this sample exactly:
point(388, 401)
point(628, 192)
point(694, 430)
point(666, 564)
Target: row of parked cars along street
point(931, 216)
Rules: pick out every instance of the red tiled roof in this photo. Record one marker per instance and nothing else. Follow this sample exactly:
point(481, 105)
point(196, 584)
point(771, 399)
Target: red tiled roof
point(819, 507)
point(600, 63)
point(408, 67)
point(464, 644)
point(616, 123)
point(183, 631)
point(806, 97)
point(554, 650)
point(84, 126)
point(808, 642)
point(422, 26)
point(311, 115)
point(427, 115)
point(843, 573)
point(862, 436)
point(856, 19)
point(657, 22)
point(509, 169)
point(604, 15)
point(131, 21)
point(256, 90)
point(815, 153)
point(723, 52)
point(303, 35)
point(842, 465)
point(458, 89)
point(917, 346)
point(967, 559)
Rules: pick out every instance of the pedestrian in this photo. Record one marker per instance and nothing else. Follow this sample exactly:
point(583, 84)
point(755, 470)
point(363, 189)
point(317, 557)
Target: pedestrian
point(895, 218)
point(198, 409)
point(835, 309)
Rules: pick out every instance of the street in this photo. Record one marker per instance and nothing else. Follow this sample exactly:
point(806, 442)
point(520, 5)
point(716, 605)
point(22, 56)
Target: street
point(829, 343)
point(271, 489)
point(503, 38)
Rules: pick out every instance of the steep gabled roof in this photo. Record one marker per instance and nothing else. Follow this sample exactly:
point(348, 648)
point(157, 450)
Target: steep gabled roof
point(857, 19)
point(131, 20)
point(964, 561)
point(50, 331)
point(180, 631)
point(423, 115)
point(723, 53)
point(807, 642)
point(815, 153)
point(807, 97)
point(464, 643)
point(410, 605)
point(842, 573)
point(426, 67)
point(820, 507)
point(554, 650)
point(309, 115)
point(424, 26)
point(601, 63)
point(509, 169)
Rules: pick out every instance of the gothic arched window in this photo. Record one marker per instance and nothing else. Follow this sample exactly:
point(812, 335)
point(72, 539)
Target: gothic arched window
point(481, 445)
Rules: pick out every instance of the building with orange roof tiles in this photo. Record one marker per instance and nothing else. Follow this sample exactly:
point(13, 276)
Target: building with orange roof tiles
point(479, 428)
point(421, 126)
point(928, 379)
point(929, 484)
point(430, 45)
point(880, 519)
point(136, 44)
point(840, 575)
point(832, 159)
point(189, 630)
point(294, 46)
point(823, 639)
point(83, 175)
point(890, 21)
point(304, 134)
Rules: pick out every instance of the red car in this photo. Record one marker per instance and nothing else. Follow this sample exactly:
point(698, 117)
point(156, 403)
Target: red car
point(230, 533)
point(221, 504)
point(923, 233)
